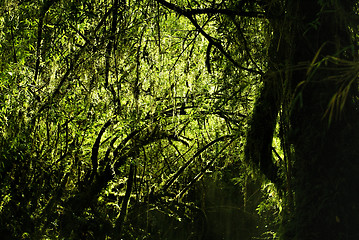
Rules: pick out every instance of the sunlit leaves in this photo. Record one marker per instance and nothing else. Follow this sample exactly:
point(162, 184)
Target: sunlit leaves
point(147, 73)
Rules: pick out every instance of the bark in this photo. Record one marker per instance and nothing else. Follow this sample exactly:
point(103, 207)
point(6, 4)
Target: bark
point(326, 150)
point(258, 148)
point(121, 219)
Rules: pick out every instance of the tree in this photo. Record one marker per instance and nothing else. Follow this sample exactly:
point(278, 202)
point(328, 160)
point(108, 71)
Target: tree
point(100, 126)
point(311, 83)
point(323, 119)
point(117, 116)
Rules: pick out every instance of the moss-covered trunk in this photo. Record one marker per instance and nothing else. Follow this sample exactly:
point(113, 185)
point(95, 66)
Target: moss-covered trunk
point(324, 121)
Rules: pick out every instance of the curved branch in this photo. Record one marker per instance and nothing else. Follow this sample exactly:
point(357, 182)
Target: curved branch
point(95, 148)
point(186, 164)
point(258, 149)
point(203, 171)
point(210, 39)
point(208, 58)
point(120, 220)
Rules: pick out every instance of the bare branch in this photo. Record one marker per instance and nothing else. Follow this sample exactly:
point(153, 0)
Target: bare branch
point(197, 11)
point(95, 148)
point(203, 171)
point(186, 164)
point(210, 39)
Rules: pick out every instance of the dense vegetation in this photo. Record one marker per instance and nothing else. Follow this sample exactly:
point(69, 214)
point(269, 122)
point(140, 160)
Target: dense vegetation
point(156, 119)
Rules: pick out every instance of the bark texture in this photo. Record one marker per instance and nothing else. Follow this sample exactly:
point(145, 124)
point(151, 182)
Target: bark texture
point(323, 136)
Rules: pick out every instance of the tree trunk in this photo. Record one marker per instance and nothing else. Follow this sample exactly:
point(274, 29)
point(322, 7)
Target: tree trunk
point(324, 129)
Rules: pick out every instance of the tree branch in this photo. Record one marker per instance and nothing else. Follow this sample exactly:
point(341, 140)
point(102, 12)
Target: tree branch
point(45, 7)
point(186, 164)
point(196, 11)
point(189, 15)
point(95, 148)
point(120, 220)
point(203, 171)
point(111, 41)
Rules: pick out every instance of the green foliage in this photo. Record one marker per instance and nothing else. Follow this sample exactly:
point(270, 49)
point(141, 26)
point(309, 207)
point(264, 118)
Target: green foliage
point(128, 119)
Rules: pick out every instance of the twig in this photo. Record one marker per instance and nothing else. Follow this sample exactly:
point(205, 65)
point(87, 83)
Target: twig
point(189, 14)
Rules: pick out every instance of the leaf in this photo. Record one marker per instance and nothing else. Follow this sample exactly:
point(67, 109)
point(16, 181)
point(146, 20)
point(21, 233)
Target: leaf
point(312, 64)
